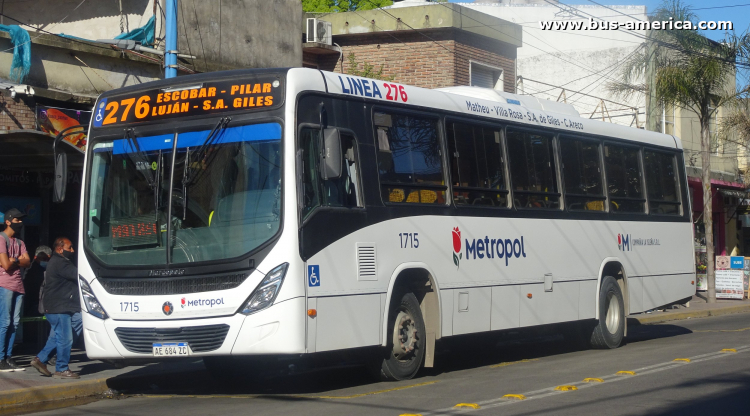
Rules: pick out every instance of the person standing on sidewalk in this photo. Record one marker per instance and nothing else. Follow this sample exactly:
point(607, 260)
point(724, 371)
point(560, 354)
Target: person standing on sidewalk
point(60, 300)
point(13, 257)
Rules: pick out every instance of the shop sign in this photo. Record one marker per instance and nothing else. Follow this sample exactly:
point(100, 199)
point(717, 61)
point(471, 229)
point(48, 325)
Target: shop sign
point(54, 120)
point(729, 284)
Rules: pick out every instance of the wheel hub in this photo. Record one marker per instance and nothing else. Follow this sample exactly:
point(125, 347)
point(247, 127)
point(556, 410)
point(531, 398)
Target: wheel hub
point(404, 335)
point(613, 314)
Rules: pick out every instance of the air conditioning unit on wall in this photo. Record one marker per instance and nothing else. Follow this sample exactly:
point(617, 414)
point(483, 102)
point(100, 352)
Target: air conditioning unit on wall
point(319, 31)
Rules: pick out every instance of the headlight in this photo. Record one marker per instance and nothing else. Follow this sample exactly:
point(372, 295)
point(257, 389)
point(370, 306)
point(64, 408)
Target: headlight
point(90, 301)
point(264, 295)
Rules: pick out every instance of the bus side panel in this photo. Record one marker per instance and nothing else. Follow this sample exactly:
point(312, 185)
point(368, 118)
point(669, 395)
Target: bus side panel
point(661, 290)
point(506, 307)
point(635, 289)
point(446, 298)
point(347, 322)
point(587, 300)
point(471, 310)
point(560, 305)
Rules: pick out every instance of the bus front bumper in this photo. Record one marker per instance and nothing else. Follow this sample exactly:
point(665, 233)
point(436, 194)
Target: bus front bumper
point(280, 329)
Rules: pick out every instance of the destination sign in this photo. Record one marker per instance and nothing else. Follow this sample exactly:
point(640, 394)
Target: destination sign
point(256, 93)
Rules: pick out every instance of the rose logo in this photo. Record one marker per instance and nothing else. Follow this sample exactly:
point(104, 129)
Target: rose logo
point(182, 302)
point(457, 255)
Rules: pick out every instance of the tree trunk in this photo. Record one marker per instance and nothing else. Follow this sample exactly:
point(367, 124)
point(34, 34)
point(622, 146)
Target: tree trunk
point(708, 215)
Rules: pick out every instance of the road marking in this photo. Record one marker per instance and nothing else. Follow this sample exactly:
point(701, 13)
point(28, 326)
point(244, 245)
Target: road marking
point(514, 362)
point(253, 396)
point(625, 373)
point(509, 399)
point(729, 350)
point(469, 405)
point(687, 360)
point(724, 330)
point(566, 388)
point(592, 379)
point(354, 396)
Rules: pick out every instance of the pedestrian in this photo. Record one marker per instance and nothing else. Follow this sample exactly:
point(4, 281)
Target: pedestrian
point(34, 280)
point(13, 258)
point(60, 301)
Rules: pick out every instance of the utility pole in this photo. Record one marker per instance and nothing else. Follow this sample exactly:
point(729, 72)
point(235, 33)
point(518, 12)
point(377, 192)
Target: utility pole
point(170, 47)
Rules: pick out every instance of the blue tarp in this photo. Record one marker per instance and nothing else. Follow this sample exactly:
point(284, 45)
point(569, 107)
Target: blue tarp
point(21, 64)
point(144, 34)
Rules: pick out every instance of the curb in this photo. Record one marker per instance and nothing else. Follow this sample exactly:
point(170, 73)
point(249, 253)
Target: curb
point(72, 390)
point(676, 316)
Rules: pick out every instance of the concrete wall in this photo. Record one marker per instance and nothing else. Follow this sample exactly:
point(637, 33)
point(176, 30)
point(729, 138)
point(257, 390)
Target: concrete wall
point(76, 68)
point(583, 60)
point(222, 35)
point(241, 33)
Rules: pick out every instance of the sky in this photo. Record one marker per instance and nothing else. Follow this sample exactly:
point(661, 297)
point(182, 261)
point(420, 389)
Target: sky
point(705, 10)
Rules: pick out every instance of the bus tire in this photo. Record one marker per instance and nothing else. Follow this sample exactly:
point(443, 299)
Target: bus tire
point(610, 328)
point(405, 351)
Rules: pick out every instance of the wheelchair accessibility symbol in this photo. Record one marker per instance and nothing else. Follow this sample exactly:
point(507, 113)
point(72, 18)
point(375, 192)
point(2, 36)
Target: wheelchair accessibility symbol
point(313, 276)
point(100, 113)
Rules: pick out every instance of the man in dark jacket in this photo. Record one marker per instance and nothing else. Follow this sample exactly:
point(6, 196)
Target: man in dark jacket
point(60, 301)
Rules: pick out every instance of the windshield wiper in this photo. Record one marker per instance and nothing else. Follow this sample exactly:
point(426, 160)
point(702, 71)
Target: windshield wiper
point(190, 174)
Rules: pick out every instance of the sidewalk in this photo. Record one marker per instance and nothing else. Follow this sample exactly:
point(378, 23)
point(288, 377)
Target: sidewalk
point(698, 308)
point(98, 378)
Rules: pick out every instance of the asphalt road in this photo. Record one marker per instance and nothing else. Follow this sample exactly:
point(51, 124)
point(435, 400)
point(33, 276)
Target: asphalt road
point(480, 371)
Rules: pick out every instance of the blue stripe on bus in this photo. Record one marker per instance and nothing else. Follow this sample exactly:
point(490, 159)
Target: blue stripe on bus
point(249, 133)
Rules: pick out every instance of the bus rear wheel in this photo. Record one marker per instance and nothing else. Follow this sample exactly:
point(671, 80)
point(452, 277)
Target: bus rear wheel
point(610, 328)
point(405, 351)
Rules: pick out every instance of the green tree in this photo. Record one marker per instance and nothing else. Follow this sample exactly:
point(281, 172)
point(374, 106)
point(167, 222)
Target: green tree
point(334, 6)
point(683, 68)
point(368, 69)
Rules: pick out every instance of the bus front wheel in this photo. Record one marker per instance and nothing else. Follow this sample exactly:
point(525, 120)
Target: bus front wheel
point(405, 351)
point(610, 328)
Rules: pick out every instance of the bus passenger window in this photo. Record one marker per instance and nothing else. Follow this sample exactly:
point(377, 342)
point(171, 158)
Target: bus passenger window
point(343, 192)
point(409, 159)
point(661, 183)
point(623, 179)
point(477, 170)
point(532, 170)
point(582, 174)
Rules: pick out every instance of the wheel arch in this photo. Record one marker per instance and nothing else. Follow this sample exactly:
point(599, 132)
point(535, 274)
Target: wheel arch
point(612, 266)
point(429, 300)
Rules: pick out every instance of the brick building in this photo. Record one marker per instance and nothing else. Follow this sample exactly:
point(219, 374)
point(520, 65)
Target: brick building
point(430, 45)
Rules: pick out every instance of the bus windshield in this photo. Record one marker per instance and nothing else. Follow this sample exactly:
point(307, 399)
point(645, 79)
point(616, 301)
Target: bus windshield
point(225, 199)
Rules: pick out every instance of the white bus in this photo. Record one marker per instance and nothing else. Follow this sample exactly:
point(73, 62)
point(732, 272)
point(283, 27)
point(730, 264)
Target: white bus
point(291, 212)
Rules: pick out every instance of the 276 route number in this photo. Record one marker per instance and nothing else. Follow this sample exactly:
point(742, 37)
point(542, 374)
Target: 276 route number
point(394, 92)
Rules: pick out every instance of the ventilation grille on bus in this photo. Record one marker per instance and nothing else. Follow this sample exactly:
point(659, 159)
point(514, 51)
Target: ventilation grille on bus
point(366, 265)
point(172, 286)
point(199, 338)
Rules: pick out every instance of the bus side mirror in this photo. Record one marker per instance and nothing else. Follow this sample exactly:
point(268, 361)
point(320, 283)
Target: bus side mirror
point(331, 164)
point(61, 177)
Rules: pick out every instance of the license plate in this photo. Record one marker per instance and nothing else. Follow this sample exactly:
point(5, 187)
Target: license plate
point(172, 349)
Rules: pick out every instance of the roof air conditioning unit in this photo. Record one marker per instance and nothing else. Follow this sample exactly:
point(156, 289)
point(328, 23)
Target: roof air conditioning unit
point(319, 31)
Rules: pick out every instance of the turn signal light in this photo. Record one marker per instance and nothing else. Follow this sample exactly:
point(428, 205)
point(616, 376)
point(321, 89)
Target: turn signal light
point(312, 313)
point(528, 295)
point(692, 282)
